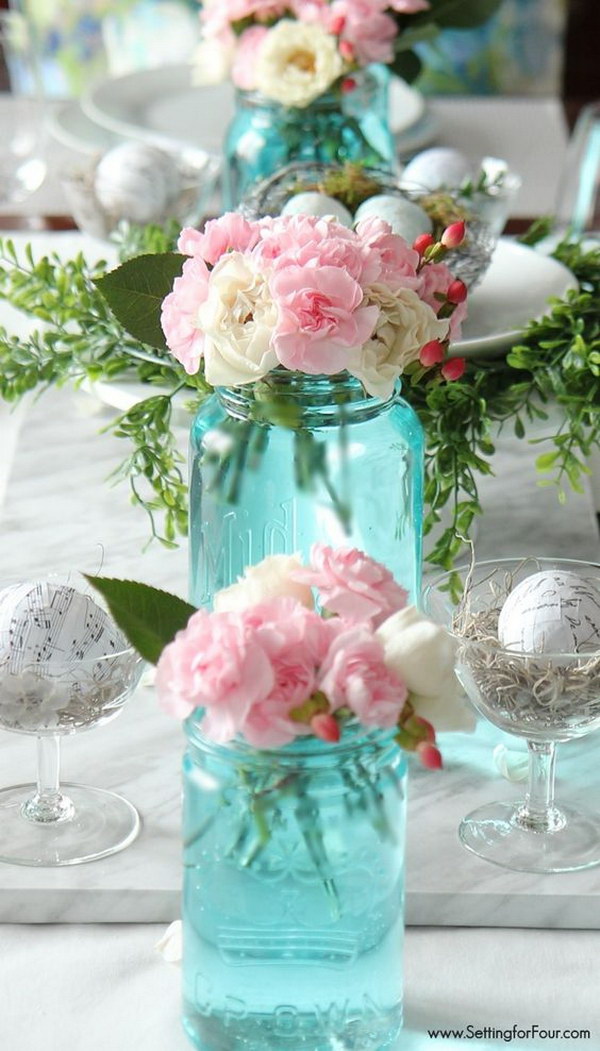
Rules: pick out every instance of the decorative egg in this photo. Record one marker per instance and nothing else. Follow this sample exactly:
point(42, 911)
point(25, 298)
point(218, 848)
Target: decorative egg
point(51, 676)
point(552, 612)
point(46, 622)
point(405, 217)
point(318, 204)
point(137, 182)
point(437, 168)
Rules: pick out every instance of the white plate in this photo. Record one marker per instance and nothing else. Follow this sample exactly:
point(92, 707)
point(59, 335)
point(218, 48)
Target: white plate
point(70, 126)
point(515, 290)
point(162, 104)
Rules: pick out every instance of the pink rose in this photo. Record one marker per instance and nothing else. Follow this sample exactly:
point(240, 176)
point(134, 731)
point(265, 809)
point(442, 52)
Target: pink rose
point(320, 317)
point(353, 585)
point(221, 13)
point(437, 278)
point(244, 63)
point(230, 233)
point(397, 260)
point(354, 675)
point(179, 314)
point(217, 664)
point(295, 641)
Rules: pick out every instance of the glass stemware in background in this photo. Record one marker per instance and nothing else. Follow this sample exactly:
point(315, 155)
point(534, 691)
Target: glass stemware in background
point(22, 111)
point(544, 698)
point(49, 693)
point(578, 201)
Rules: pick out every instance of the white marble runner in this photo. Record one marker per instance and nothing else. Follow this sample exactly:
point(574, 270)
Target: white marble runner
point(60, 513)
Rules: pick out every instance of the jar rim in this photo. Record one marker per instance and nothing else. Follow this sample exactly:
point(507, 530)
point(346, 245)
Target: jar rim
point(355, 738)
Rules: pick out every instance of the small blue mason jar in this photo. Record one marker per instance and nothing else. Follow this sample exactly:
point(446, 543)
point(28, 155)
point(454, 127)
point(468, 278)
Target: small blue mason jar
point(295, 459)
point(341, 125)
point(293, 893)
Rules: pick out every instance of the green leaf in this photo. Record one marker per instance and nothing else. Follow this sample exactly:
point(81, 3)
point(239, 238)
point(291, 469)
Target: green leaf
point(462, 14)
point(406, 65)
point(135, 291)
point(150, 618)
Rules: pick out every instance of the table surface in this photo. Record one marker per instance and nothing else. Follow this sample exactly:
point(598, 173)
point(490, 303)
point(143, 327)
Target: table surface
point(102, 986)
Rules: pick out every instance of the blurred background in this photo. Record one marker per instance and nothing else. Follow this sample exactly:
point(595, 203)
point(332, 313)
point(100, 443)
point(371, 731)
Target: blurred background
point(531, 47)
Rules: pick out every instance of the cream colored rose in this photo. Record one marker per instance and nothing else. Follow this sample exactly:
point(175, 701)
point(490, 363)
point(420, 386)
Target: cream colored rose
point(298, 61)
point(422, 654)
point(271, 578)
point(405, 325)
point(237, 318)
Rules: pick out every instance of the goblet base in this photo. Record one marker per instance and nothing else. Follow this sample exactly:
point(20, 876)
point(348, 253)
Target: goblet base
point(493, 833)
point(102, 823)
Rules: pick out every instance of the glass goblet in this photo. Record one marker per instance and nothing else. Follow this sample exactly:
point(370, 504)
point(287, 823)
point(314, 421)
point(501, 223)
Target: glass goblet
point(51, 693)
point(544, 698)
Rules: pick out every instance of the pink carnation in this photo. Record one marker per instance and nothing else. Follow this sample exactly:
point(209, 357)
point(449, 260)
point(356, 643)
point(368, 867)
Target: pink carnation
point(437, 278)
point(408, 7)
point(215, 16)
point(246, 57)
point(230, 233)
point(352, 585)
point(306, 240)
point(295, 640)
point(179, 313)
point(354, 675)
point(397, 260)
point(365, 27)
point(320, 318)
point(215, 663)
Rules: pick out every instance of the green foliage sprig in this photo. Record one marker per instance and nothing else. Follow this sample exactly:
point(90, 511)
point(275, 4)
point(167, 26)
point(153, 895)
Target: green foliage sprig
point(557, 359)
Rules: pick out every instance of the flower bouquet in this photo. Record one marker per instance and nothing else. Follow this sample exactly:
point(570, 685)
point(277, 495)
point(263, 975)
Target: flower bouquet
point(294, 792)
point(307, 86)
point(304, 327)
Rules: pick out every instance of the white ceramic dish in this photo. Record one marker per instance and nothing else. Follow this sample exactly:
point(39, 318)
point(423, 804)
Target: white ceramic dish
point(515, 290)
point(69, 125)
point(162, 104)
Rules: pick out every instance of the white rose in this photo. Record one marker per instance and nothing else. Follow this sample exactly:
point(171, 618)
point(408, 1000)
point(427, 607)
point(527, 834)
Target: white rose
point(405, 325)
point(212, 61)
point(271, 578)
point(297, 63)
point(237, 317)
point(422, 654)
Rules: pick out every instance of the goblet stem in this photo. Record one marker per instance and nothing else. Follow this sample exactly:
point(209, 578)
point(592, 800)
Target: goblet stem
point(538, 813)
point(48, 804)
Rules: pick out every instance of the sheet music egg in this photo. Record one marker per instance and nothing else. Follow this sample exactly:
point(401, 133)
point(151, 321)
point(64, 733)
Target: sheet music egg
point(553, 611)
point(136, 181)
point(51, 637)
point(51, 622)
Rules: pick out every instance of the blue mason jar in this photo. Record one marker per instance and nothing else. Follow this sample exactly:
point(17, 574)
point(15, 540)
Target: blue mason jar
point(295, 459)
point(293, 893)
point(341, 125)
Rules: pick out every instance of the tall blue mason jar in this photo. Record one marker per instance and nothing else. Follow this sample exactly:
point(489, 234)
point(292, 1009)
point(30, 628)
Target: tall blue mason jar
point(341, 125)
point(295, 459)
point(293, 894)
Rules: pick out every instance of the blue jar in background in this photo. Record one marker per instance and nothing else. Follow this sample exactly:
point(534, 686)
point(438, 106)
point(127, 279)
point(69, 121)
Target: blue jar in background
point(349, 123)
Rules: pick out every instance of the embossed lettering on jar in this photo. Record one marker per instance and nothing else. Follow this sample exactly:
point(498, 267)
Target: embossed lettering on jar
point(293, 894)
point(295, 459)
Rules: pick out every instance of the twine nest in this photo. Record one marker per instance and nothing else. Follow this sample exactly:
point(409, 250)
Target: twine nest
point(556, 696)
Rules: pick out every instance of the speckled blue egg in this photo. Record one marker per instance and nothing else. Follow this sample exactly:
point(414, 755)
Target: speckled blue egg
point(405, 218)
point(437, 168)
point(318, 204)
